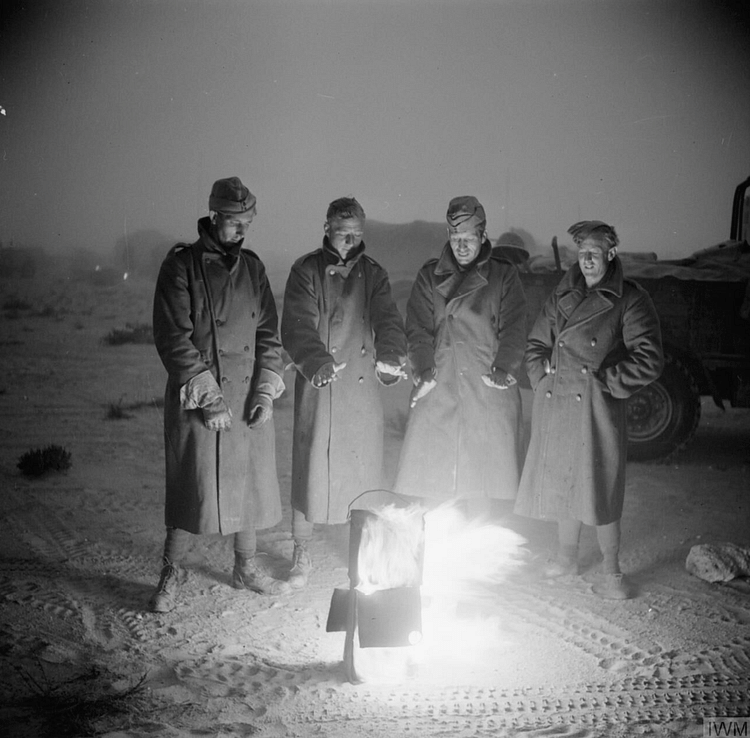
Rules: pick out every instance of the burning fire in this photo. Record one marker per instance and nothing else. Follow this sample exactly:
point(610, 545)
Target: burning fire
point(454, 560)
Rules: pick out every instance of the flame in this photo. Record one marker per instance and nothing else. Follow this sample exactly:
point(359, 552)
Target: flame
point(389, 553)
point(462, 554)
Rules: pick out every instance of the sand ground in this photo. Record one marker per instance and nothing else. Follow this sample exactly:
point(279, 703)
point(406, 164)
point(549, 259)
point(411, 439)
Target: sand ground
point(79, 556)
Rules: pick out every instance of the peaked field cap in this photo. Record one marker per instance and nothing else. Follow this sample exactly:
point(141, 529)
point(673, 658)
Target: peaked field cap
point(465, 211)
point(596, 228)
point(231, 196)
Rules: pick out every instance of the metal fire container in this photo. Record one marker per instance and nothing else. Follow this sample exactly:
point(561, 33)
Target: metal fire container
point(385, 618)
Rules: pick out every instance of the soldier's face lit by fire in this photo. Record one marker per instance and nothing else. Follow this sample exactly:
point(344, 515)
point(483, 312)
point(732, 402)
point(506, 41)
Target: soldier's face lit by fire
point(345, 234)
point(229, 228)
point(594, 258)
point(465, 244)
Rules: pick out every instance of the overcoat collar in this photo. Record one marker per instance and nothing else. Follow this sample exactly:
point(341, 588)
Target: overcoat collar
point(576, 304)
point(456, 282)
point(331, 257)
point(213, 250)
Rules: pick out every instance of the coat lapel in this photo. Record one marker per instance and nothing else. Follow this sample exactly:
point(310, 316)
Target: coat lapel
point(575, 306)
point(455, 283)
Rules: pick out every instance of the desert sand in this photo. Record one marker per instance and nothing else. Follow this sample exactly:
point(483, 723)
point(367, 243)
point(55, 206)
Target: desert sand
point(80, 550)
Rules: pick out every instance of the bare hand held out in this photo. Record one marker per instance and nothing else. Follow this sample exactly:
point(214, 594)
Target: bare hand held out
point(326, 374)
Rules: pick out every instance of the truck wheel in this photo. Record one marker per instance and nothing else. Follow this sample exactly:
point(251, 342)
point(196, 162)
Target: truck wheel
point(663, 416)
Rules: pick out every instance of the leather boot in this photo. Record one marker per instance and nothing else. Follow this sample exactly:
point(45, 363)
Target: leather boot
point(248, 574)
point(301, 566)
point(164, 597)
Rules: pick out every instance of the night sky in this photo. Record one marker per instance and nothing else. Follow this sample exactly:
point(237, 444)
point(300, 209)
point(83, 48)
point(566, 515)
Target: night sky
point(118, 115)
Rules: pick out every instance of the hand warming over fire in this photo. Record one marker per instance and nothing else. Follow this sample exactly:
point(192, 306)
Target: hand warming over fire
point(498, 378)
point(388, 373)
point(326, 374)
point(426, 383)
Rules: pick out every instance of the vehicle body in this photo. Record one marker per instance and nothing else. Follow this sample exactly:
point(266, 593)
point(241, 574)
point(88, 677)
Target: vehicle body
point(703, 303)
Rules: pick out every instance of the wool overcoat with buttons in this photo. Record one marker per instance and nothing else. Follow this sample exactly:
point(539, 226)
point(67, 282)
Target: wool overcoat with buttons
point(215, 311)
point(464, 439)
point(340, 312)
point(603, 345)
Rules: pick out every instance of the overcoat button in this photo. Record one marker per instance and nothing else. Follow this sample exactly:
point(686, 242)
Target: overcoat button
point(361, 380)
point(247, 348)
point(553, 370)
point(578, 398)
point(548, 394)
point(332, 272)
point(562, 343)
point(593, 342)
point(364, 350)
point(224, 379)
point(334, 350)
point(253, 315)
point(584, 370)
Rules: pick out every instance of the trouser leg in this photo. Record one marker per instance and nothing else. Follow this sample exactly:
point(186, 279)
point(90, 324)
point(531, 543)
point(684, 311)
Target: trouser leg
point(608, 537)
point(176, 545)
point(302, 531)
point(302, 528)
point(568, 533)
point(245, 542)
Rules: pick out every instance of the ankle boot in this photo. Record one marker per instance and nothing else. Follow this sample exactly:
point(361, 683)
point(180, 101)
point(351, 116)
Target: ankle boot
point(301, 566)
point(164, 597)
point(248, 574)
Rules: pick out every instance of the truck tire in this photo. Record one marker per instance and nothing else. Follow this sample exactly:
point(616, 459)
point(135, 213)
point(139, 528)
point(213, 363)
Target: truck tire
point(663, 417)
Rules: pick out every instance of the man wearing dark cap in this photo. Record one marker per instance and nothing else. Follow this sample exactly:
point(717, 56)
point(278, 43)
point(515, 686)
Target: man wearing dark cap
point(345, 336)
point(595, 343)
point(216, 331)
point(465, 326)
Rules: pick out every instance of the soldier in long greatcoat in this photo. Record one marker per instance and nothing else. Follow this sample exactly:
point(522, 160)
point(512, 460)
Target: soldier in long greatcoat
point(465, 325)
point(345, 335)
point(595, 343)
point(216, 331)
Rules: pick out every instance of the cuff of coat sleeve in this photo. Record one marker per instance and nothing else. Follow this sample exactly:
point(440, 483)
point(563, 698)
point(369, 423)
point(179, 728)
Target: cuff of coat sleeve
point(393, 359)
point(269, 383)
point(199, 391)
point(311, 367)
point(422, 358)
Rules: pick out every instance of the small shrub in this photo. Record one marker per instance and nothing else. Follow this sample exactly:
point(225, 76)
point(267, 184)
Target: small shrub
point(132, 333)
point(116, 411)
point(38, 461)
point(85, 705)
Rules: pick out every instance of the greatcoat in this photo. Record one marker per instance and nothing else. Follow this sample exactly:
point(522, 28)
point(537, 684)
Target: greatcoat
point(603, 344)
point(214, 311)
point(463, 439)
point(336, 311)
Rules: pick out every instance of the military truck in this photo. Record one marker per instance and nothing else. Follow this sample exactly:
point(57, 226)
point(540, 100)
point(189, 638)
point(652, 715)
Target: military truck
point(703, 304)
